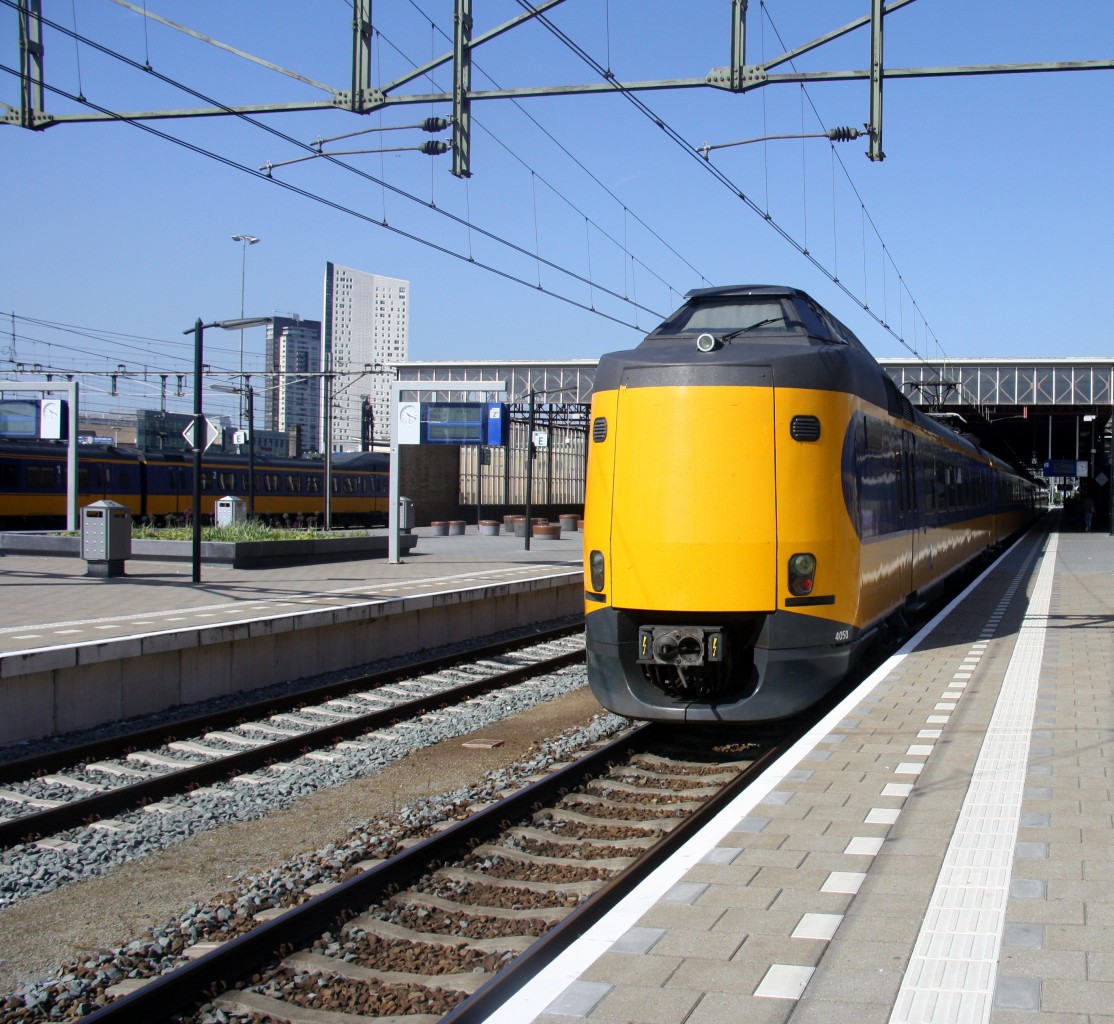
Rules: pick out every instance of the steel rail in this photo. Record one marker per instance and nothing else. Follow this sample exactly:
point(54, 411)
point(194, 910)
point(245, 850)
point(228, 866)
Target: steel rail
point(212, 973)
point(114, 801)
point(160, 735)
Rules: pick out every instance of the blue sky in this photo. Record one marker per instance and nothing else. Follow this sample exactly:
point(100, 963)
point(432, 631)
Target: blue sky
point(985, 232)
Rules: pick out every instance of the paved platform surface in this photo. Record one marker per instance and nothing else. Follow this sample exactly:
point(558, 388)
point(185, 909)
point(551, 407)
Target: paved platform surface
point(941, 849)
point(49, 601)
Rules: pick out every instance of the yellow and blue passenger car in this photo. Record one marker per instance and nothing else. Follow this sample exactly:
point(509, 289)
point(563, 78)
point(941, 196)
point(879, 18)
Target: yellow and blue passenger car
point(761, 503)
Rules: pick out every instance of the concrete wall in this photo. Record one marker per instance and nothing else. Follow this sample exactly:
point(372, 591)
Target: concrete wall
point(57, 690)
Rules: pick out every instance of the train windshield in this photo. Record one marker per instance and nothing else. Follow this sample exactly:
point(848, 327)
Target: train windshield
point(735, 317)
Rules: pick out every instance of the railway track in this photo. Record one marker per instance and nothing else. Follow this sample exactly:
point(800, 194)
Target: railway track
point(85, 786)
point(447, 929)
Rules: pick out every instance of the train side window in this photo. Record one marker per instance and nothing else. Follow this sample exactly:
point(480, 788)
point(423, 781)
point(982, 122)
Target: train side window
point(40, 476)
point(313, 484)
point(363, 485)
point(336, 484)
point(293, 483)
point(271, 482)
point(873, 434)
point(9, 477)
point(815, 324)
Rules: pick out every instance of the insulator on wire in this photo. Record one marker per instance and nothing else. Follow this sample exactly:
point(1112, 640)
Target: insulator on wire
point(434, 124)
point(844, 134)
point(434, 147)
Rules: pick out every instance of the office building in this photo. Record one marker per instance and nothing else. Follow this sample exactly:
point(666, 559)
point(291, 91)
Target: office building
point(292, 402)
point(366, 334)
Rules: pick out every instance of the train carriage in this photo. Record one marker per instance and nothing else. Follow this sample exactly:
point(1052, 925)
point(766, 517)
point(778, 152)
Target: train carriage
point(33, 481)
point(761, 501)
point(158, 486)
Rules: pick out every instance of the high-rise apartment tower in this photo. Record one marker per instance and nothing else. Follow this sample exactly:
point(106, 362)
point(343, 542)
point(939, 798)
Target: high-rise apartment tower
point(366, 334)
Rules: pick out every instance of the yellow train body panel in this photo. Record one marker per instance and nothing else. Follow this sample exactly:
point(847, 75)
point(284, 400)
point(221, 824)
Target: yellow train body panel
point(719, 537)
point(679, 547)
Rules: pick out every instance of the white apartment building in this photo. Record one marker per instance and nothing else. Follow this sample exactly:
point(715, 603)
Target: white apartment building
point(366, 334)
point(290, 400)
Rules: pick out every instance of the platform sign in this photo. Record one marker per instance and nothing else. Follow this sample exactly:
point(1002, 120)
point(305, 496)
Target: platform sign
point(212, 432)
point(468, 423)
point(1065, 467)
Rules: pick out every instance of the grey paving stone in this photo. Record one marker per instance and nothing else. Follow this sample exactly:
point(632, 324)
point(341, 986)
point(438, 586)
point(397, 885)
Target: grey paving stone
point(730, 1008)
point(778, 796)
point(1031, 851)
point(685, 892)
point(637, 940)
point(579, 999)
point(751, 824)
point(1028, 889)
point(720, 855)
point(647, 1005)
point(1016, 935)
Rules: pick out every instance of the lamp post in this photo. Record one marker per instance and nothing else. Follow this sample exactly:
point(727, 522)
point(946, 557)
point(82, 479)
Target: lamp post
point(245, 241)
point(199, 432)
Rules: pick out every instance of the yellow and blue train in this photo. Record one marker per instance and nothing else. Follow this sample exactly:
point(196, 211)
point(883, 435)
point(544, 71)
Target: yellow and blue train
point(761, 503)
point(158, 486)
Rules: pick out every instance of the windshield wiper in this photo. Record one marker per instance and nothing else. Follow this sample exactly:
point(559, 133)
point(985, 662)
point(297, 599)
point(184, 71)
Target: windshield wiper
point(751, 327)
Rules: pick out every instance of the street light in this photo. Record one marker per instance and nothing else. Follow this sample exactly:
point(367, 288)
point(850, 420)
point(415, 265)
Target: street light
point(248, 390)
point(199, 431)
point(245, 241)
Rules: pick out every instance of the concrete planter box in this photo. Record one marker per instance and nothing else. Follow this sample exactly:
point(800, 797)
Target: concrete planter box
point(256, 554)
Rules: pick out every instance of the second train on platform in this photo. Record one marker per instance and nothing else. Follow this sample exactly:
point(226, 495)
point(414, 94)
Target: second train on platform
point(761, 503)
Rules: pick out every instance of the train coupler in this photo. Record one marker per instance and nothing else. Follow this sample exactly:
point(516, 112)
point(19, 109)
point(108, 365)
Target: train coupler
point(680, 646)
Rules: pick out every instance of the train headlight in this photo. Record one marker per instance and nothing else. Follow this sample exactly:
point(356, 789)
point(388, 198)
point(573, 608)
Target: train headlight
point(707, 342)
point(595, 568)
point(802, 573)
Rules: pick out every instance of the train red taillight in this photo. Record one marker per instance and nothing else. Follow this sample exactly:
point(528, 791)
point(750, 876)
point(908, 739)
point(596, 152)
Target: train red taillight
point(802, 574)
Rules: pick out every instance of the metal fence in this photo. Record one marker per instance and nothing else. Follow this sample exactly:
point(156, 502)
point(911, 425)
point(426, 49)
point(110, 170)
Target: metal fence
point(497, 476)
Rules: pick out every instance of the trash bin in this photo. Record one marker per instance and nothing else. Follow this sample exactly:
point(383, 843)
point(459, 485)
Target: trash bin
point(231, 510)
point(106, 538)
point(405, 515)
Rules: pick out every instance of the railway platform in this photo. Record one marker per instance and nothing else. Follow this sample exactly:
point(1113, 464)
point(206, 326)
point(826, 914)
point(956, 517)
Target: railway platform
point(78, 651)
point(938, 849)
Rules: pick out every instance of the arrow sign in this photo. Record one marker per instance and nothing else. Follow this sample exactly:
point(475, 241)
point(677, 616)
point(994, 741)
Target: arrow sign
point(212, 432)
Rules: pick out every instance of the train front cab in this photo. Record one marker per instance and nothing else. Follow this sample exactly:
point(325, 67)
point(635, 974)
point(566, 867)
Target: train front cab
point(703, 502)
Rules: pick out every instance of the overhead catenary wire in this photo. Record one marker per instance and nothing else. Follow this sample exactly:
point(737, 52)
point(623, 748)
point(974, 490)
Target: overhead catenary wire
point(854, 188)
point(479, 125)
point(721, 176)
point(340, 207)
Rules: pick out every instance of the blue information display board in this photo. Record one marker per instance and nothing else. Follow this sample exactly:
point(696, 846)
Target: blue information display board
point(463, 423)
